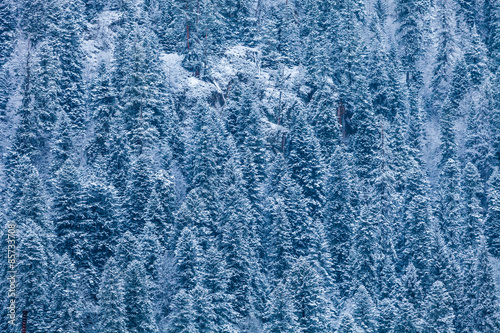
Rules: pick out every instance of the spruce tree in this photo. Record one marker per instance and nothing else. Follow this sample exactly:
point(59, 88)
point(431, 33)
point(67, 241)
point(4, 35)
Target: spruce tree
point(439, 312)
point(7, 31)
point(32, 269)
point(68, 212)
point(137, 299)
point(311, 307)
point(281, 313)
point(473, 215)
point(365, 314)
point(66, 304)
point(111, 299)
point(493, 215)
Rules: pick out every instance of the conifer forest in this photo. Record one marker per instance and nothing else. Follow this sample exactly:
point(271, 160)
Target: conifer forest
point(256, 166)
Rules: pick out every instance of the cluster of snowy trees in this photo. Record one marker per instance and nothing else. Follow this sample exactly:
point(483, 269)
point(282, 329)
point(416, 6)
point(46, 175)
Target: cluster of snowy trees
point(349, 182)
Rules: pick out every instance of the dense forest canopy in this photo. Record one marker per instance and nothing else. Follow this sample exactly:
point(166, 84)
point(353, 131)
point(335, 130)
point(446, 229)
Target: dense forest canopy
point(304, 166)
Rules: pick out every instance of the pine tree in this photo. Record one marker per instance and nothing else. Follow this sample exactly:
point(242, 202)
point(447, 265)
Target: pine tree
point(450, 111)
point(473, 216)
point(7, 31)
point(366, 141)
point(161, 206)
point(27, 136)
point(141, 93)
point(347, 324)
point(407, 320)
point(103, 105)
point(66, 306)
point(365, 254)
point(492, 228)
point(306, 165)
point(467, 10)
point(364, 313)
point(450, 205)
point(475, 58)
point(311, 307)
point(281, 313)
point(138, 191)
point(443, 65)
point(29, 200)
point(62, 147)
point(414, 234)
point(387, 313)
point(32, 275)
point(36, 17)
point(150, 253)
point(68, 212)
point(479, 310)
point(182, 320)
point(111, 299)
point(439, 313)
point(69, 49)
point(280, 34)
point(411, 36)
point(493, 31)
point(138, 305)
point(99, 227)
point(46, 78)
point(338, 214)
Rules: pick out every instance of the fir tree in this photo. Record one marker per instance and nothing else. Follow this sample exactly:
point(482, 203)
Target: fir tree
point(138, 305)
point(311, 308)
point(473, 216)
point(68, 212)
point(32, 274)
point(364, 313)
point(492, 228)
point(281, 313)
point(111, 299)
point(7, 31)
point(66, 306)
point(439, 313)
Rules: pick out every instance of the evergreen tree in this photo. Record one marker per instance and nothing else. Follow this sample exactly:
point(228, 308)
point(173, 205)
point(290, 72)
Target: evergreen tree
point(68, 213)
point(492, 228)
point(410, 32)
point(365, 254)
point(364, 313)
point(111, 299)
point(161, 206)
point(387, 314)
point(450, 205)
point(493, 30)
point(65, 307)
point(473, 216)
point(46, 78)
point(69, 48)
point(347, 324)
point(338, 214)
point(450, 112)
point(439, 313)
point(443, 66)
point(475, 58)
point(103, 105)
point(306, 165)
point(281, 313)
point(138, 305)
point(182, 320)
point(138, 191)
point(7, 31)
point(62, 147)
point(311, 307)
point(99, 225)
point(32, 276)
